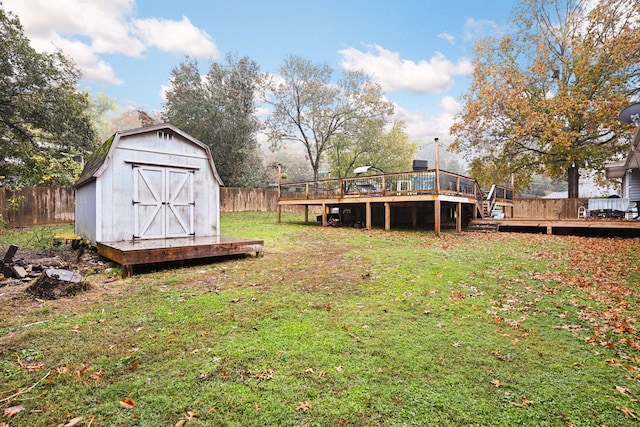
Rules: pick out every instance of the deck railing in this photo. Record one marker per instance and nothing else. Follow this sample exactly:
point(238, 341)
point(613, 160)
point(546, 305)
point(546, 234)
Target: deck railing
point(395, 184)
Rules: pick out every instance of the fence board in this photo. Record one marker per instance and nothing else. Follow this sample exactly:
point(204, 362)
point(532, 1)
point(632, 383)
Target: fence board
point(548, 208)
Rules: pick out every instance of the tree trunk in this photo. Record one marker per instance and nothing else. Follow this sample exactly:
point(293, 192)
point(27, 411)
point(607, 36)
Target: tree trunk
point(573, 178)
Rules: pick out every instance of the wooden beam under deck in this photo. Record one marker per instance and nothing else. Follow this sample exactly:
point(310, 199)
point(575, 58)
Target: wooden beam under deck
point(148, 251)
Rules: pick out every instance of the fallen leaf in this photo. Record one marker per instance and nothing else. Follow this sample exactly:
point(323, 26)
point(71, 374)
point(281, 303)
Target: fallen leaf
point(622, 389)
point(191, 415)
point(629, 413)
point(12, 410)
point(524, 403)
point(71, 422)
point(62, 369)
point(98, 375)
point(256, 406)
point(128, 402)
point(496, 383)
point(81, 371)
point(456, 345)
point(224, 375)
point(457, 295)
point(180, 423)
point(304, 406)
point(75, 329)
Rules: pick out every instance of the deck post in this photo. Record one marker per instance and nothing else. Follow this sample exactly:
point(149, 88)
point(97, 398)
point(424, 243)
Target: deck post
point(367, 214)
point(436, 217)
point(459, 217)
point(306, 213)
point(324, 215)
point(387, 216)
point(279, 213)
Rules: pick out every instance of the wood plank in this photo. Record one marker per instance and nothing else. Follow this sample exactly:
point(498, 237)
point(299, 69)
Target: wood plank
point(136, 252)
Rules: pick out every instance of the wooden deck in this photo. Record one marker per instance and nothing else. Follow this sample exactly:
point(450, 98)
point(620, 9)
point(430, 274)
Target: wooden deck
point(595, 226)
point(419, 198)
point(130, 253)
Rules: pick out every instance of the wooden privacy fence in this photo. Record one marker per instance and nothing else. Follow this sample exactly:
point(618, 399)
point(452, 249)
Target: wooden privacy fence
point(547, 208)
point(37, 205)
point(56, 205)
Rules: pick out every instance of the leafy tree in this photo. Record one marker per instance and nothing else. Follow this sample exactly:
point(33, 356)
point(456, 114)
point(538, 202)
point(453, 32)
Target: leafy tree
point(310, 109)
point(99, 105)
point(219, 110)
point(133, 119)
point(546, 98)
point(390, 151)
point(43, 118)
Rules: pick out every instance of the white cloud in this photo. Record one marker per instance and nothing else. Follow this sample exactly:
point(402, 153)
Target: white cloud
point(175, 36)
point(448, 37)
point(421, 126)
point(84, 30)
point(393, 73)
point(475, 29)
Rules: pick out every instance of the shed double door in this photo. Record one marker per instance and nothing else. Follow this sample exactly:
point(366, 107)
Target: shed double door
point(163, 202)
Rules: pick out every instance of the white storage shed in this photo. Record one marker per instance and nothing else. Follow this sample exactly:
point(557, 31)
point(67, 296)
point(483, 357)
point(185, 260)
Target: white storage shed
point(155, 182)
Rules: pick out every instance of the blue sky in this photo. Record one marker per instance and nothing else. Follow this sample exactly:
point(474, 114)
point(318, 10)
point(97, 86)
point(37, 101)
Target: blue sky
point(420, 51)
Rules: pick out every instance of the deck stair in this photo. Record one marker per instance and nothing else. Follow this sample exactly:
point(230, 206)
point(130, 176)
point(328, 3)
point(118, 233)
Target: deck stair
point(483, 225)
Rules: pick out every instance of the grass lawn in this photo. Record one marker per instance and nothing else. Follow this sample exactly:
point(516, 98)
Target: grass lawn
point(338, 327)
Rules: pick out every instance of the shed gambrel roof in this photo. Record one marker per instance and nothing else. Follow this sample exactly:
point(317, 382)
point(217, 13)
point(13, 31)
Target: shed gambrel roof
point(100, 158)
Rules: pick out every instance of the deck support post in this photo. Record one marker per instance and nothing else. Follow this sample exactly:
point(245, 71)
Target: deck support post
point(436, 217)
point(387, 216)
point(306, 213)
point(367, 215)
point(279, 214)
point(324, 215)
point(549, 229)
point(459, 217)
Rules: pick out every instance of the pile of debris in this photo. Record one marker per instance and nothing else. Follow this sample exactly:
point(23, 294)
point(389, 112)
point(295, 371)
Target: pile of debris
point(50, 278)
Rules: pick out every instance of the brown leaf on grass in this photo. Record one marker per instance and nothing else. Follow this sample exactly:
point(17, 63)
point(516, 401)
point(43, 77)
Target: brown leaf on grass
point(457, 295)
point(523, 403)
point(12, 410)
point(225, 375)
point(304, 406)
point(191, 415)
point(267, 374)
point(71, 422)
point(622, 389)
point(62, 369)
point(75, 329)
point(496, 383)
point(629, 413)
point(4, 425)
point(80, 371)
point(98, 375)
point(256, 406)
point(128, 402)
point(180, 423)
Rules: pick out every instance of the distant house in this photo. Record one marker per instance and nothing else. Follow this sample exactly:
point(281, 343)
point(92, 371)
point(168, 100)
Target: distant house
point(629, 171)
point(154, 182)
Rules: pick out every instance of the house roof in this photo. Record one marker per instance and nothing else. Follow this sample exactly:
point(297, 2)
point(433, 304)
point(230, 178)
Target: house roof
point(632, 161)
point(101, 157)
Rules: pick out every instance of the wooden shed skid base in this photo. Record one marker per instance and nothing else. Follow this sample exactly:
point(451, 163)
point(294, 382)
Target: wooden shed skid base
point(129, 253)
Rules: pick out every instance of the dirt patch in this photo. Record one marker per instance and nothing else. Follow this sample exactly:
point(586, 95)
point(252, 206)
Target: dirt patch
point(16, 302)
